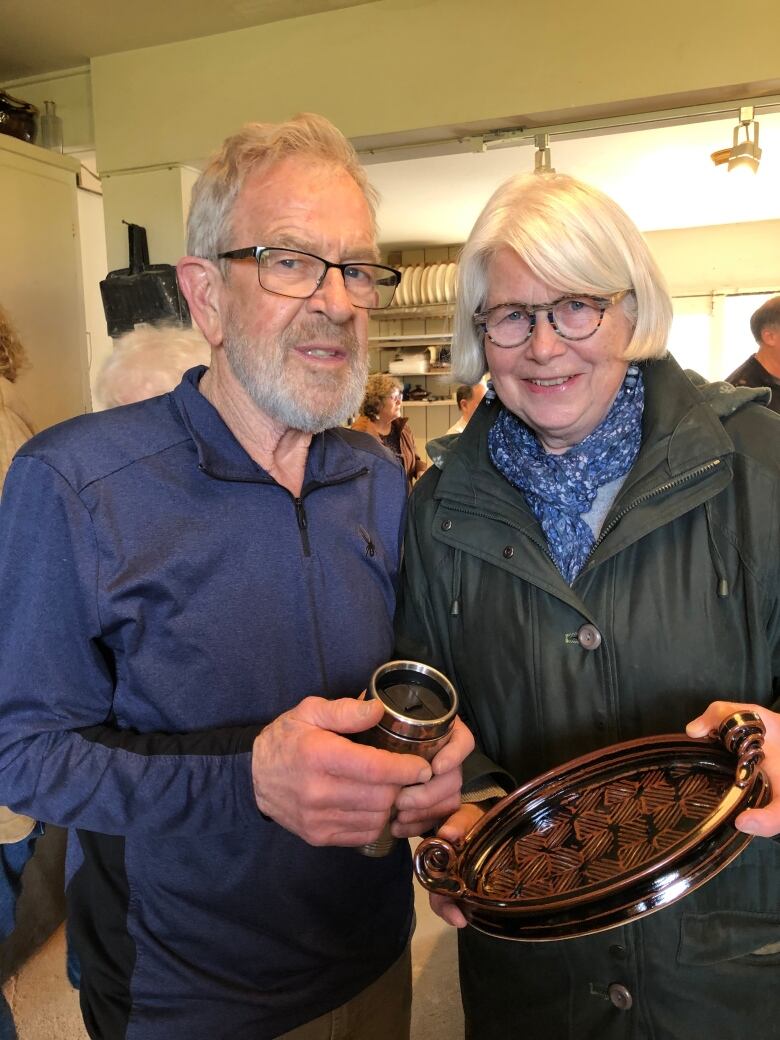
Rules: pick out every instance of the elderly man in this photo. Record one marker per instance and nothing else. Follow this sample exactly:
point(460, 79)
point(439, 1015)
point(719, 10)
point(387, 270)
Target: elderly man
point(763, 367)
point(195, 588)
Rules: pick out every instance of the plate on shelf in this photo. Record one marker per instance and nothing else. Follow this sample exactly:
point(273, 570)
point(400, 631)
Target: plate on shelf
point(396, 301)
point(425, 283)
point(403, 288)
point(433, 271)
point(416, 279)
point(450, 282)
point(441, 277)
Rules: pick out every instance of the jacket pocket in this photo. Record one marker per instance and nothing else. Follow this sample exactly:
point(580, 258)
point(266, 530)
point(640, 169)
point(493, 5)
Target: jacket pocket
point(730, 935)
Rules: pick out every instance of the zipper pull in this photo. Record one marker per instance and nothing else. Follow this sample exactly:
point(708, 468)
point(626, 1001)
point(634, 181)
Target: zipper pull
point(300, 514)
point(370, 548)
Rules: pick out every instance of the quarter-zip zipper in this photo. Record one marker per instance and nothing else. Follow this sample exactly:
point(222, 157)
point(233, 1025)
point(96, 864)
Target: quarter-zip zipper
point(303, 525)
point(300, 509)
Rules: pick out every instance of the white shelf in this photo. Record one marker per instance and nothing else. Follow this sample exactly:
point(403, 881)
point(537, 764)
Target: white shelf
point(450, 402)
point(437, 373)
point(430, 338)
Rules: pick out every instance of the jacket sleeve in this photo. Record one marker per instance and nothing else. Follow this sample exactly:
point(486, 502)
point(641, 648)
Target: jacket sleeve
point(422, 630)
point(63, 759)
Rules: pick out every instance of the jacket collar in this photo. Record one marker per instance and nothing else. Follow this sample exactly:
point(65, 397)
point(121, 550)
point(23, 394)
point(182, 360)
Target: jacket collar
point(684, 446)
point(330, 460)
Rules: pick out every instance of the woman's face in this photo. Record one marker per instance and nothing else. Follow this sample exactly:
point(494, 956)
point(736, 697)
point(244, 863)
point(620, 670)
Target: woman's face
point(561, 388)
point(391, 408)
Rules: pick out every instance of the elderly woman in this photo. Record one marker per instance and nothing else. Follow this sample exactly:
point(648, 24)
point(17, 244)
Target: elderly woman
point(596, 559)
point(380, 415)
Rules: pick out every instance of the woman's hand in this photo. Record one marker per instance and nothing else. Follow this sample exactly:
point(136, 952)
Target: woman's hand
point(766, 821)
point(455, 830)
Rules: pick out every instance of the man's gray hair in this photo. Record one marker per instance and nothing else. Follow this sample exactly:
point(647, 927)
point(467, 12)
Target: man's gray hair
point(574, 238)
point(767, 315)
point(258, 145)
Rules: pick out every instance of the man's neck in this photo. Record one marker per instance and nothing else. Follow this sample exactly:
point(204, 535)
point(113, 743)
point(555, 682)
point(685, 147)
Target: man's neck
point(768, 359)
point(279, 450)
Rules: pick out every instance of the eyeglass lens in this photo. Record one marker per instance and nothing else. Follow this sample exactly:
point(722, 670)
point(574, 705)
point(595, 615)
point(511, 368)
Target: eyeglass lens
point(297, 274)
point(575, 317)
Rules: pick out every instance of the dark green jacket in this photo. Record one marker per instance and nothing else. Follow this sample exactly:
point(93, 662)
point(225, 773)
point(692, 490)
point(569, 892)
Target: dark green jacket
point(678, 605)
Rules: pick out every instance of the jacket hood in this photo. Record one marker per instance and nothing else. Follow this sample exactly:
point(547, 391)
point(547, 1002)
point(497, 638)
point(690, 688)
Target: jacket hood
point(725, 399)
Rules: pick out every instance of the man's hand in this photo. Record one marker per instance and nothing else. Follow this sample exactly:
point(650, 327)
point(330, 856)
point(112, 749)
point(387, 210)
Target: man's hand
point(766, 821)
point(421, 807)
point(455, 830)
point(323, 787)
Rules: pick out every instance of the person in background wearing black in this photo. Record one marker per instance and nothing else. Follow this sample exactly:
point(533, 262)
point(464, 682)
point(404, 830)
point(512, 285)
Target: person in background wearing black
point(763, 367)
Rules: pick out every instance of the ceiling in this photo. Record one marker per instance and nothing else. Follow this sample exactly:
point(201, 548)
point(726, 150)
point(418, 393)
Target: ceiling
point(40, 36)
point(663, 177)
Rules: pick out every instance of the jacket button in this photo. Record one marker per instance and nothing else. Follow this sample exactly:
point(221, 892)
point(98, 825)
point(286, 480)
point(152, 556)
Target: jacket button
point(446, 525)
point(618, 952)
point(589, 637)
point(620, 996)
point(509, 552)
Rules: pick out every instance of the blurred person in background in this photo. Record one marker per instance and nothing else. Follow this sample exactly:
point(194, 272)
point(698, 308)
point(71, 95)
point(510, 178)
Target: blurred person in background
point(149, 361)
point(763, 367)
point(380, 416)
point(468, 398)
point(596, 559)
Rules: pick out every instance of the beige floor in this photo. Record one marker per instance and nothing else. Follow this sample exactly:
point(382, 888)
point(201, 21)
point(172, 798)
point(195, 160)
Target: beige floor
point(46, 1007)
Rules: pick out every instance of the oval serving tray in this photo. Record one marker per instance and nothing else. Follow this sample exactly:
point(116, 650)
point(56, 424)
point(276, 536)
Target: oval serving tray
point(604, 839)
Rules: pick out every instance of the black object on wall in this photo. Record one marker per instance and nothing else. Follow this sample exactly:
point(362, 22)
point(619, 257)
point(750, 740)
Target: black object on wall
point(142, 293)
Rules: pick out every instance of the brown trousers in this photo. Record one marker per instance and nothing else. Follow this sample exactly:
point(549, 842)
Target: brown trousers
point(382, 1011)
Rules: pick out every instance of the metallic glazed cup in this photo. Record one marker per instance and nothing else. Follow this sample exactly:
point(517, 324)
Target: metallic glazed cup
point(420, 706)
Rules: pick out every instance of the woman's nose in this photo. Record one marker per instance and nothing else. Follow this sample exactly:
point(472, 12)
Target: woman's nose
point(544, 343)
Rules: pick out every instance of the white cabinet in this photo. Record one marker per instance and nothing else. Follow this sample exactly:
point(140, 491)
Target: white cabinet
point(40, 277)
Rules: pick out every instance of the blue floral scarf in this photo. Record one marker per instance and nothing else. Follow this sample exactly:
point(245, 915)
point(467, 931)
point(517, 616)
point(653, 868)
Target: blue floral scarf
point(561, 488)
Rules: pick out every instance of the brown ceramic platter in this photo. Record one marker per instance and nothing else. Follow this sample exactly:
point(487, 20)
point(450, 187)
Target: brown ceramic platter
point(604, 839)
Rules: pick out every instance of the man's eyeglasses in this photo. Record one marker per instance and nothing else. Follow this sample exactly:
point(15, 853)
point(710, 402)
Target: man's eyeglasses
point(572, 317)
point(291, 272)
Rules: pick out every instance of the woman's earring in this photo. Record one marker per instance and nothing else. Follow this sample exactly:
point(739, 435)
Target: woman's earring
point(632, 378)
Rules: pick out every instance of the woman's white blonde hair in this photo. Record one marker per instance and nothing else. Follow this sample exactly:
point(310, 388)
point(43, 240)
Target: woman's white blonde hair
point(576, 239)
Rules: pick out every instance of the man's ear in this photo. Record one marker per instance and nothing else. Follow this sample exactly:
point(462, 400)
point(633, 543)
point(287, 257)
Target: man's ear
point(201, 283)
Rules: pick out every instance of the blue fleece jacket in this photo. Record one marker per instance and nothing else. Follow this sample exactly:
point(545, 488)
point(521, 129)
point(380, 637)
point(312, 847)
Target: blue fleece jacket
point(163, 598)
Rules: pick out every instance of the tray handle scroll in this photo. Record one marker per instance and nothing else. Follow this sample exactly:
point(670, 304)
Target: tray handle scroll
point(742, 733)
point(436, 864)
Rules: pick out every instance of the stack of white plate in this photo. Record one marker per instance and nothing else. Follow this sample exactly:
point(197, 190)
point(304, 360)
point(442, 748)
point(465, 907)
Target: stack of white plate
point(424, 284)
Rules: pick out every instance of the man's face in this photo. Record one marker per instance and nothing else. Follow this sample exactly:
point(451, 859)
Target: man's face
point(303, 363)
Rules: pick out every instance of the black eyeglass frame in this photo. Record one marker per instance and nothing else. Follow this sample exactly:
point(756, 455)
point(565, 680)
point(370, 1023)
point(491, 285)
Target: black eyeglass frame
point(480, 318)
point(255, 252)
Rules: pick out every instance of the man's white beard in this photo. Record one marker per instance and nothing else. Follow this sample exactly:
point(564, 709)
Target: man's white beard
point(310, 401)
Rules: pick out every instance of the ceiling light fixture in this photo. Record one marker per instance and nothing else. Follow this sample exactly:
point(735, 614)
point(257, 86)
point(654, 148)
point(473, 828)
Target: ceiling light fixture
point(542, 162)
point(744, 153)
